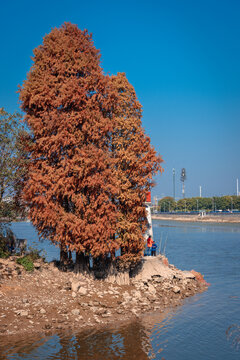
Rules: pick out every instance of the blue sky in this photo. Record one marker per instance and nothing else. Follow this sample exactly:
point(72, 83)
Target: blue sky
point(183, 59)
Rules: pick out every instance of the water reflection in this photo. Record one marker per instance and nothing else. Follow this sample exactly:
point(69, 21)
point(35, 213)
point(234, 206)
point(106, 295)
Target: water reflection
point(129, 341)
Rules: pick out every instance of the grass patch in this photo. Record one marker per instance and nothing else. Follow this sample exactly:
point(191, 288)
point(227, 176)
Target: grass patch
point(26, 262)
point(4, 254)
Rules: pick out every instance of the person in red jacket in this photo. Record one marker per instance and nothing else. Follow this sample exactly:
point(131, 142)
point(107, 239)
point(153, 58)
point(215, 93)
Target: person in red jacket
point(149, 245)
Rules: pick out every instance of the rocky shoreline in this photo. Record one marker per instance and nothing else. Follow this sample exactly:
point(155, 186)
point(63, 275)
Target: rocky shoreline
point(49, 300)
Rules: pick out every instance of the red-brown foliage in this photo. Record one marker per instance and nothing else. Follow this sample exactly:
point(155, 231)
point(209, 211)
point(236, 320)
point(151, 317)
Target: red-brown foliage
point(91, 163)
point(136, 163)
point(67, 99)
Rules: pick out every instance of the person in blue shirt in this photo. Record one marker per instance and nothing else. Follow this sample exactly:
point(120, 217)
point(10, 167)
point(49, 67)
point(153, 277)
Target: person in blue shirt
point(154, 248)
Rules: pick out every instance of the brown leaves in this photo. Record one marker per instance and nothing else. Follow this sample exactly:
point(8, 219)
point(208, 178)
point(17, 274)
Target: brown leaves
point(90, 160)
point(136, 163)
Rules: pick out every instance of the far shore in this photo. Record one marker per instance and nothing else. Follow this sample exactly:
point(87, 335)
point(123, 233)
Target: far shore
point(219, 218)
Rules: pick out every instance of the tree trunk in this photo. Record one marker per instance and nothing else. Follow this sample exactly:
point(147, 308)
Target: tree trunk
point(63, 256)
point(82, 264)
point(114, 276)
point(1, 190)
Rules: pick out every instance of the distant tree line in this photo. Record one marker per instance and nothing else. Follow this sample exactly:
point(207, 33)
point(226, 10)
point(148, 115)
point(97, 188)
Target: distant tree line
point(12, 164)
point(216, 203)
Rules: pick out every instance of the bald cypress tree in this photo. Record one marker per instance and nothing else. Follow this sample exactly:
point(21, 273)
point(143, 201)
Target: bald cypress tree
point(136, 164)
point(90, 161)
point(71, 176)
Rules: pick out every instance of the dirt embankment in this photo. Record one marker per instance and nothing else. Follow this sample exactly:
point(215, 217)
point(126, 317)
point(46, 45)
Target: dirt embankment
point(47, 299)
point(228, 218)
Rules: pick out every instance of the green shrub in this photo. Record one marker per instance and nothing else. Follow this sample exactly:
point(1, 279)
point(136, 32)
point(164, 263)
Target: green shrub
point(3, 248)
point(4, 254)
point(35, 253)
point(26, 262)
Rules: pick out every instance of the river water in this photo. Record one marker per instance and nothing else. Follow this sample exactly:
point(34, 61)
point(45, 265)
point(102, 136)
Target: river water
point(196, 330)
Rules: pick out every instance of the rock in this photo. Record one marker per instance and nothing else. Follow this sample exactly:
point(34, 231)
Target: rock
point(75, 312)
point(126, 296)
point(22, 312)
point(82, 291)
point(151, 298)
point(103, 305)
point(106, 315)
point(94, 308)
point(157, 279)
point(134, 311)
point(74, 294)
point(153, 267)
point(37, 265)
point(68, 286)
point(166, 286)
point(42, 311)
point(83, 305)
point(75, 285)
point(151, 289)
point(176, 289)
point(137, 294)
point(188, 275)
point(101, 311)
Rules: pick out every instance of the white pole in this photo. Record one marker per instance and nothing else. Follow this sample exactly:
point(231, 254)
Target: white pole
point(237, 188)
point(200, 191)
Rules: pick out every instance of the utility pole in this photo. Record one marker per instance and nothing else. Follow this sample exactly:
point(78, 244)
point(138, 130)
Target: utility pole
point(155, 205)
point(183, 178)
point(173, 170)
point(237, 188)
point(200, 191)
